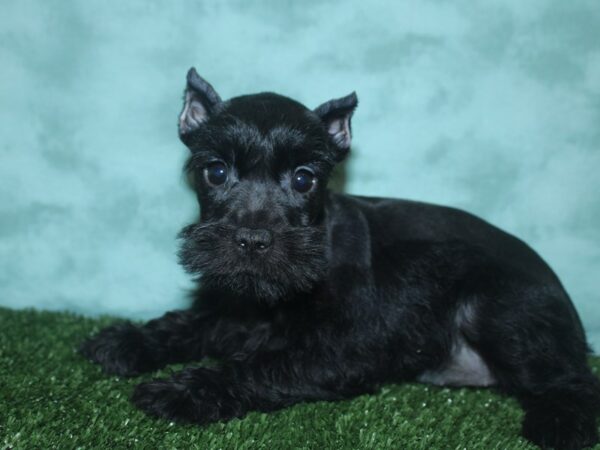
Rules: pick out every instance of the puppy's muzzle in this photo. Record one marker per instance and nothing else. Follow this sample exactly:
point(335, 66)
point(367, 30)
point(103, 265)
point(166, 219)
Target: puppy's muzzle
point(258, 240)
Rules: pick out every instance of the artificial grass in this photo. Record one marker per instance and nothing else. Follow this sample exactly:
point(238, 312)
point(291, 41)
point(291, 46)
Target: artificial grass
point(51, 398)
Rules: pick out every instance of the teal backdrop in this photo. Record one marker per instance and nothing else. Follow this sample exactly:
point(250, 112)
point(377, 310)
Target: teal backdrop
point(491, 106)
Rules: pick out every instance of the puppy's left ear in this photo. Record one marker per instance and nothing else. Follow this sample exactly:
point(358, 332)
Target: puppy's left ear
point(200, 100)
point(336, 115)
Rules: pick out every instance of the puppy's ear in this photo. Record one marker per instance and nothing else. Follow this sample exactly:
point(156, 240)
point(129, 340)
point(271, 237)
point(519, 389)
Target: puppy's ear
point(336, 115)
point(199, 102)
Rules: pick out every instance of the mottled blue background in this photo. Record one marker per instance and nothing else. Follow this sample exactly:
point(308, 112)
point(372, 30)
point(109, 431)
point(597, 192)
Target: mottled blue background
point(491, 106)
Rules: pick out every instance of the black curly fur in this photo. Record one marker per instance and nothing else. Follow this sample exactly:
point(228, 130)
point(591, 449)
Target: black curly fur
point(352, 292)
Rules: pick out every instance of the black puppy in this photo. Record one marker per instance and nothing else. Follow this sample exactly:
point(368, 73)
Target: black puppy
point(309, 295)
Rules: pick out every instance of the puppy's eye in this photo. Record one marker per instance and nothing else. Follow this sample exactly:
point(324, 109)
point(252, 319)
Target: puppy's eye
point(303, 180)
point(215, 173)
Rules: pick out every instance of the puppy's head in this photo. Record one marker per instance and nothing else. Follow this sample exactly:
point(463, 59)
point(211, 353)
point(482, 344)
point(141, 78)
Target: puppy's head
point(259, 165)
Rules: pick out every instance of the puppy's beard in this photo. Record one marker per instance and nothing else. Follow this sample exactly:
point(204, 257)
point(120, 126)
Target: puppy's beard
point(294, 263)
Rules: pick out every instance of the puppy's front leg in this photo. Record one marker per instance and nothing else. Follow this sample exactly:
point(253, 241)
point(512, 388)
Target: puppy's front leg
point(127, 349)
point(268, 381)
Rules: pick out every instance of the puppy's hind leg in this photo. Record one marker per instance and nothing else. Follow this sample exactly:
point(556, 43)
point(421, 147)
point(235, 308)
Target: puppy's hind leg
point(536, 349)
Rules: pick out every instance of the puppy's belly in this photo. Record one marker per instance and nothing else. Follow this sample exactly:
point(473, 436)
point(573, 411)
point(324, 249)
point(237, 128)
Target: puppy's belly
point(464, 368)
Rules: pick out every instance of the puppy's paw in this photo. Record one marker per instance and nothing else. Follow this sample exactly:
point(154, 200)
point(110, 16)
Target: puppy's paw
point(121, 349)
point(560, 430)
point(192, 395)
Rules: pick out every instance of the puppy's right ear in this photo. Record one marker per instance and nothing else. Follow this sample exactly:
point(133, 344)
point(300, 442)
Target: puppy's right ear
point(335, 115)
point(198, 104)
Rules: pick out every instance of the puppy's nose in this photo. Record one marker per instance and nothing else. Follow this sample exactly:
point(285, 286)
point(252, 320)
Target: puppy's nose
point(248, 239)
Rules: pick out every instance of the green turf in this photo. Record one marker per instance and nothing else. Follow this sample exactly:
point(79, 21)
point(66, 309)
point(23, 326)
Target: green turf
point(51, 398)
